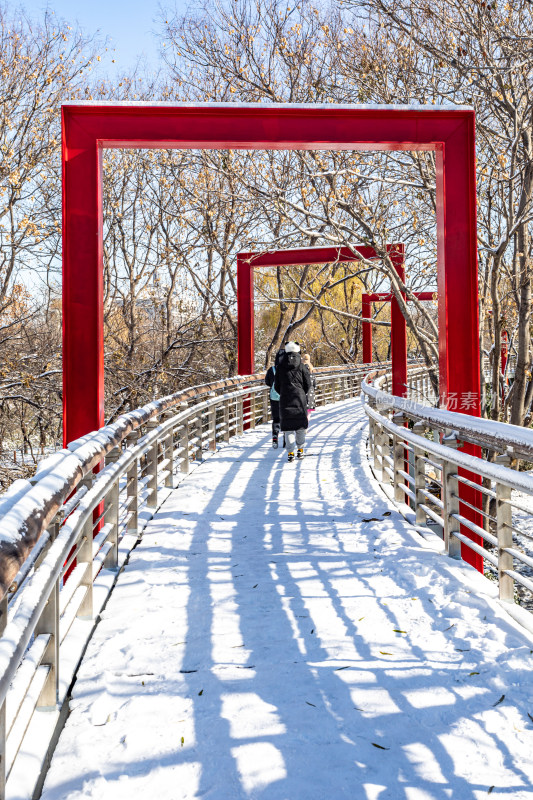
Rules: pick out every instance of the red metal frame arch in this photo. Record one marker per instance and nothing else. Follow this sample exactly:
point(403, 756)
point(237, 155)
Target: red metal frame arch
point(88, 129)
point(297, 257)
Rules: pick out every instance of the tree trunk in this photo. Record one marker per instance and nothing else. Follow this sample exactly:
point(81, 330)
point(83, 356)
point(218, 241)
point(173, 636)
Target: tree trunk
point(523, 360)
point(496, 326)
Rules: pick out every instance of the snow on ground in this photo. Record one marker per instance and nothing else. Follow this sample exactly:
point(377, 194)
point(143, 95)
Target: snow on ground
point(281, 633)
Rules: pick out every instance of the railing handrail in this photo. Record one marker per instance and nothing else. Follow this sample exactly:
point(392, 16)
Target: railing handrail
point(34, 508)
point(521, 481)
point(51, 565)
point(498, 436)
point(468, 497)
point(59, 474)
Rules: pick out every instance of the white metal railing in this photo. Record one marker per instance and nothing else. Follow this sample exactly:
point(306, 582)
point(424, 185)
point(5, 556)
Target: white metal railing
point(66, 534)
point(419, 385)
point(414, 450)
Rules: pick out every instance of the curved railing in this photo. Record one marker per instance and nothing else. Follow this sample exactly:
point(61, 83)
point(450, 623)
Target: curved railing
point(66, 534)
point(414, 451)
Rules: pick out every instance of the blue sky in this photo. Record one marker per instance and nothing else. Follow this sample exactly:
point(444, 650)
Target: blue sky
point(129, 25)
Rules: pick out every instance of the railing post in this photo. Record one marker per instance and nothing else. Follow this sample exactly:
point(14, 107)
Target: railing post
point(371, 430)
point(226, 419)
point(398, 460)
point(3, 731)
point(168, 451)
point(371, 437)
point(504, 521)
point(420, 476)
point(377, 436)
point(151, 466)
point(266, 405)
point(111, 504)
point(251, 403)
point(132, 487)
point(184, 443)
point(212, 424)
point(450, 486)
point(240, 419)
point(385, 451)
point(85, 556)
point(49, 623)
point(198, 451)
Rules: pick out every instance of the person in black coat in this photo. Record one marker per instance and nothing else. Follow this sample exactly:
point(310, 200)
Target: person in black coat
point(292, 382)
point(274, 398)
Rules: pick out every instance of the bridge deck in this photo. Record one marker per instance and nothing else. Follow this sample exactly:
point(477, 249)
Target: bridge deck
point(281, 633)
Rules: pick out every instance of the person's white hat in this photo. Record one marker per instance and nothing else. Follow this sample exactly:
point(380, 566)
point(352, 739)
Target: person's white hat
point(292, 347)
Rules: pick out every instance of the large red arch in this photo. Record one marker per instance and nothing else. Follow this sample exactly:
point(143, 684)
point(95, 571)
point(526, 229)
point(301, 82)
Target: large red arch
point(398, 332)
point(88, 129)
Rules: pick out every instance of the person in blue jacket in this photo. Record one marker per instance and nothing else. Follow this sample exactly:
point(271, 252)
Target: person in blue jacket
point(274, 398)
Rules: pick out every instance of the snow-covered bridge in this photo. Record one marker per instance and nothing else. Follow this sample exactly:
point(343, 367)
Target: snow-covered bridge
point(280, 630)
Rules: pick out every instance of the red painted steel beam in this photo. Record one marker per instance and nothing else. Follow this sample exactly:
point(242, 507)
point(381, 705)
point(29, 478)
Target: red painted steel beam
point(366, 313)
point(398, 332)
point(286, 257)
point(83, 292)
point(245, 317)
point(398, 326)
point(87, 129)
point(300, 256)
point(398, 335)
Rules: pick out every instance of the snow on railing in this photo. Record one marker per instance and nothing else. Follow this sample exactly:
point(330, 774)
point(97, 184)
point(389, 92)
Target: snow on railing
point(67, 533)
point(477, 504)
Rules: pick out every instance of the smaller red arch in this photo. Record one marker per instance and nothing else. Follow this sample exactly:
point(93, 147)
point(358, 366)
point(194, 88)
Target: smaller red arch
point(301, 256)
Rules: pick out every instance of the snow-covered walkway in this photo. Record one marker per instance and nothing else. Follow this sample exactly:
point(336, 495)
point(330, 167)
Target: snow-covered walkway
point(282, 634)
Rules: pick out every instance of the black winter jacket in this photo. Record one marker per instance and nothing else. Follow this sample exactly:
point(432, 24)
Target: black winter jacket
point(292, 382)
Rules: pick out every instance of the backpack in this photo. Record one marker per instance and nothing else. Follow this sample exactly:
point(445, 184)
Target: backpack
point(273, 394)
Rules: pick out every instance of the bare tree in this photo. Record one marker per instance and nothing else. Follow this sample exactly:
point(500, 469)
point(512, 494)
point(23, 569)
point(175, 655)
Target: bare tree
point(457, 52)
point(267, 51)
